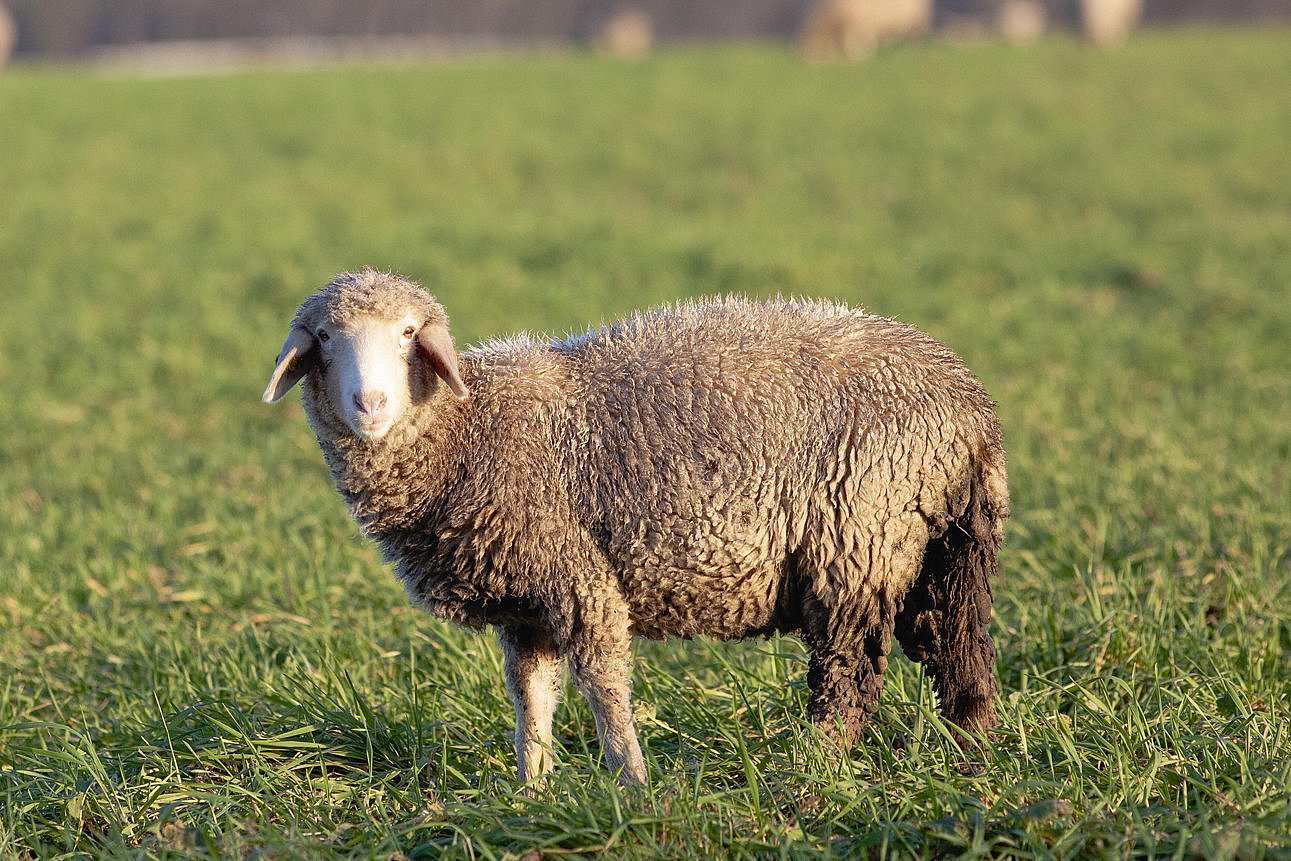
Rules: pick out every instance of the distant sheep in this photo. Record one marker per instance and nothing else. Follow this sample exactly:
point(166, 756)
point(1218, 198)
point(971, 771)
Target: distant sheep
point(724, 468)
point(1108, 23)
point(852, 29)
point(1021, 22)
point(628, 35)
point(8, 34)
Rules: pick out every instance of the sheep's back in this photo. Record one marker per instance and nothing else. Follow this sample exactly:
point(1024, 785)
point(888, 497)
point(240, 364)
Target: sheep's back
point(718, 437)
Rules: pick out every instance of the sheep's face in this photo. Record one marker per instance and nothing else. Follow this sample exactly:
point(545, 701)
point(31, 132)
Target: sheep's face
point(370, 364)
point(372, 346)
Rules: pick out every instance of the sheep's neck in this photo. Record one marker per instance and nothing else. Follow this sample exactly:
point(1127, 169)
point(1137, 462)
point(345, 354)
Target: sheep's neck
point(394, 483)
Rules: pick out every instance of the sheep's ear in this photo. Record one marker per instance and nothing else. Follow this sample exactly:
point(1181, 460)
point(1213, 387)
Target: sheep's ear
point(437, 344)
point(293, 363)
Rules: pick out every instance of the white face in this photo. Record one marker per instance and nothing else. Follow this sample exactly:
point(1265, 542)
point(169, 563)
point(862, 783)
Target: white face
point(368, 360)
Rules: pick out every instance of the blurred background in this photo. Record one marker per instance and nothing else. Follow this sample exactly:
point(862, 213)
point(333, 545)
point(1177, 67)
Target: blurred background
point(201, 658)
point(89, 28)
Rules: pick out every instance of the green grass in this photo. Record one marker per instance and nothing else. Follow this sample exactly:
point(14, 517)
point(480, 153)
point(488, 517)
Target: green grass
point(201, 658)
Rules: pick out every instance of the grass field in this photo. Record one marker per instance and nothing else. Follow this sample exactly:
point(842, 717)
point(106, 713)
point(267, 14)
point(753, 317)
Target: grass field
point(202, 659)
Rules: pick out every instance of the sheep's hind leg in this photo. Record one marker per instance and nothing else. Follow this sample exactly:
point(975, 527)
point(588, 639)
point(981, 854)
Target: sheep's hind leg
point(848, 620)
point(944, 624)
point(845, 676)
point(533, 674)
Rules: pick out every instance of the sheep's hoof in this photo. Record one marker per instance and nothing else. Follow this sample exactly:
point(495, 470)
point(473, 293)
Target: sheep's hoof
point(533, 788)
point(841, 733)
point(629, 776)
point(973, 719)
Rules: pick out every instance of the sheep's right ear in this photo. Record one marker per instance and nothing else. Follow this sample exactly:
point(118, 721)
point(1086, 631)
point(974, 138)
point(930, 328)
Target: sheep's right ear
point(293, 363)
point(437, 344)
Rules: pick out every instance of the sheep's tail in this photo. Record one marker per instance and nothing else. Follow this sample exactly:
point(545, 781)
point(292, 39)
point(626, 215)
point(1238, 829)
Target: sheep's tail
point(945, 619)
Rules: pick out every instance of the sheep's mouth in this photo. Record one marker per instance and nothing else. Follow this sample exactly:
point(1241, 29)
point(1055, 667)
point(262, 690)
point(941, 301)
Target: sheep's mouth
point(370, 429)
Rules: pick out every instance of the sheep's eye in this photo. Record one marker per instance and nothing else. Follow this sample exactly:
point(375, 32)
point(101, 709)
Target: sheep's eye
point(323, 336)
point(409, 332)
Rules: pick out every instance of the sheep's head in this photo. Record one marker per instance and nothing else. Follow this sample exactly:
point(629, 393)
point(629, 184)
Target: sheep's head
point(369, 346)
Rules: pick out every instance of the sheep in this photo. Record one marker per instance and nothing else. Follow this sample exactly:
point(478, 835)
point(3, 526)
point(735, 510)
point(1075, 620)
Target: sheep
point(628, 35)
point(718, 467)
point(852, 29)
point(8, 34)
point(1108, 23)
point(1021, 22)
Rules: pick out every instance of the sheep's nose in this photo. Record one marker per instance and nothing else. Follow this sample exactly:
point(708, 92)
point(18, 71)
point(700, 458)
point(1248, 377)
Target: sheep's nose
point(370, 403)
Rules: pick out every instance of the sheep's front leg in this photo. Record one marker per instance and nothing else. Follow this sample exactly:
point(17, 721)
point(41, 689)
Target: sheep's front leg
point(600, 662)
point(533, 680)
point(604, 681)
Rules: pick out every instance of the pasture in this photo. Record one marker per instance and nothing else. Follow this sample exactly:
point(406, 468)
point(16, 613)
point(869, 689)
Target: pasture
point(202, 659)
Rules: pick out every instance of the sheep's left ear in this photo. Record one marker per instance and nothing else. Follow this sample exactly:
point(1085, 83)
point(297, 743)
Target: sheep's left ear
point(293, 363)
point(437, 344)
